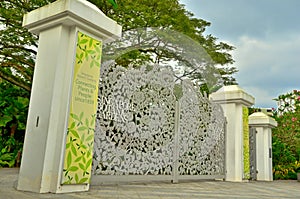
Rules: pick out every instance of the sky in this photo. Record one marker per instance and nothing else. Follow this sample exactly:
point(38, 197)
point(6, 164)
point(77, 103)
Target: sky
point(266, 35)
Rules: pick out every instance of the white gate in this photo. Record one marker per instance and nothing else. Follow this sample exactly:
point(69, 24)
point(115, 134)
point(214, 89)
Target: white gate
point(150, 128)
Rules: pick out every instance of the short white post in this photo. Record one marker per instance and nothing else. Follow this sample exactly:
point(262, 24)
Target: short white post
point(232, 99)
point(62, 86)
point(263, 125)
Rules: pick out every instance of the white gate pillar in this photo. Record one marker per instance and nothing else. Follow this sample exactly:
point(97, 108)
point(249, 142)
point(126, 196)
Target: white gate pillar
point(61, 85)
point(232, 99)
point(263, 125)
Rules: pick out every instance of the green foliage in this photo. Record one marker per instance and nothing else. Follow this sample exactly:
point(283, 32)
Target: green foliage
point(113, 3)
point(286, 172)
point(282, 153)
point(18, 46)
point(168, 15)
point(286, 136)
point(13, 112)
point(288, 129)
point(288, 102)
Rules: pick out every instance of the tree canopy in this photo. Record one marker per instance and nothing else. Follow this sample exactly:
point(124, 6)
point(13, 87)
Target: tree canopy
point(18, 47)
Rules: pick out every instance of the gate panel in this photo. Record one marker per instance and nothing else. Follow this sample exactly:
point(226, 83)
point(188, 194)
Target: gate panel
point(135, 122)
point(252, 149)
point(202, 135)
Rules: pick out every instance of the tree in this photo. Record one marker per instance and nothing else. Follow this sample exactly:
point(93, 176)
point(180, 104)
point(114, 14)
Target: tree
point(170, 15)
point(18, 46)
point(288, 119)
point(286, 136)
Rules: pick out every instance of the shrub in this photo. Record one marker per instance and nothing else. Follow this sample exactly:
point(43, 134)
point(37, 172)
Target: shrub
point(13, 114)
point(285, 172)
point(286, 136)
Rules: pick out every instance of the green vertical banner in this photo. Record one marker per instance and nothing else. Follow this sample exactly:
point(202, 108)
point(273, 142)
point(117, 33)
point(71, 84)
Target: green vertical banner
point(246, 143)
point(83, 108)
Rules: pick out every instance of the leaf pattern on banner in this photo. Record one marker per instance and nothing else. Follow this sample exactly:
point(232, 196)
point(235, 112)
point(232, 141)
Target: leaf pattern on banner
point(79, 149)
point(81, 123)
point(89, 49)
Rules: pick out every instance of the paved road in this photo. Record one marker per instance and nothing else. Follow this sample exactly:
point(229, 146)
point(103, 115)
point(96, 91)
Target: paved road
point(199, 189)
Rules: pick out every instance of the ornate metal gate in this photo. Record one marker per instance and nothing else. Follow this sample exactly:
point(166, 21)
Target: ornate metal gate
point(147, 127)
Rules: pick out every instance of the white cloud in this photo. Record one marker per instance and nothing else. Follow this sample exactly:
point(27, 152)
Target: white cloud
point(263, 98)
point(268, 67)
point(266, 35)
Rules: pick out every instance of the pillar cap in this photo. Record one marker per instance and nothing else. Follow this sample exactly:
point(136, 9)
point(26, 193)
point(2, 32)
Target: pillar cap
point(80, 13)
point(232, 94)
point(259, 119)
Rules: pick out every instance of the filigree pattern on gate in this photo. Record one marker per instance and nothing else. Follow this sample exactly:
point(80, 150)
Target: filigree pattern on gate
point(136, 125)
point(201, 137)
point(135, 121)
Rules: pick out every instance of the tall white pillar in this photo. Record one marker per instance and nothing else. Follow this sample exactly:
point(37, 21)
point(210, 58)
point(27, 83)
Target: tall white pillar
point(232, 99)
point(263, 125)
point(56, 77)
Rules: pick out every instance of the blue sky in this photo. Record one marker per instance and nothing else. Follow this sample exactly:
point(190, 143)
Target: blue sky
point(266, 34)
